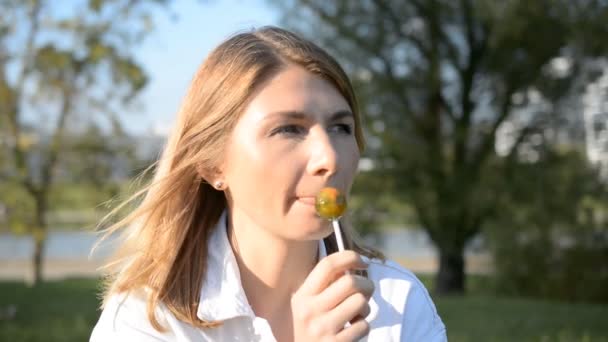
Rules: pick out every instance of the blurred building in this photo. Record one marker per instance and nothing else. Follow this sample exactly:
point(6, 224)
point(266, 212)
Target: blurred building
point(580, 123)
point(596, 123)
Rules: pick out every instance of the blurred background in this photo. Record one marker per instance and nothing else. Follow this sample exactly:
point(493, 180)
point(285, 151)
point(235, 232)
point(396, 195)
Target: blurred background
point(486, 169)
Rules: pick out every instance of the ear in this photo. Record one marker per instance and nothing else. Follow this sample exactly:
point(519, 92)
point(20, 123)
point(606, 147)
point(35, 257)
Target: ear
point(209, 175)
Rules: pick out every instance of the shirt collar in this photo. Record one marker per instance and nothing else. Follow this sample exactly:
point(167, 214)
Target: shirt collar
point(222, 295)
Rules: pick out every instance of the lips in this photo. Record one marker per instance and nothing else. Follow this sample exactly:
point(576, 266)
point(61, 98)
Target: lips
point(306, 200)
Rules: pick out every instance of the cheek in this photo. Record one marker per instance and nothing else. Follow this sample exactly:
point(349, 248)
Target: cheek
point(259, 178)
point(351, 162)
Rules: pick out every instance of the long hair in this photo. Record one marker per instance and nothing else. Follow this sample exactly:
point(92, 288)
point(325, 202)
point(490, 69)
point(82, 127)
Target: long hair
point(163, 249)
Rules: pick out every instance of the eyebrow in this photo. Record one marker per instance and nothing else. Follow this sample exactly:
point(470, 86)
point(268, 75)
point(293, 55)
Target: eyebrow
point(294, 114)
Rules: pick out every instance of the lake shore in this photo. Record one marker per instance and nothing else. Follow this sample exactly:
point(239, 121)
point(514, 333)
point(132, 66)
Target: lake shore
point(56, 269)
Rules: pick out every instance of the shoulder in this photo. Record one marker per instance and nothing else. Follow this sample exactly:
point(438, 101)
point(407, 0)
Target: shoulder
point(403, 301)
point(393, 279)
point(388, 269)
point(125, 318)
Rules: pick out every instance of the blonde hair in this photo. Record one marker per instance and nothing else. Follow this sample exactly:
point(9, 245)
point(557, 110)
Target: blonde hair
point(164, 239)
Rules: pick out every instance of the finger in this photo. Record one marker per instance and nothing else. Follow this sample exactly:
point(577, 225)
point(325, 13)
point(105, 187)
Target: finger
point(328, 268)
point(343, 288)
point(354, 332)
point(346, 311)
point(364, 313)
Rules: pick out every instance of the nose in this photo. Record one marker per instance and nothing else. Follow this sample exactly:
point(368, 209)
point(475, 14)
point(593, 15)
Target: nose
point(323, 159)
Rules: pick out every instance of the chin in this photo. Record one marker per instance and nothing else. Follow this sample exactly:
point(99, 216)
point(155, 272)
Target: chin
point(308, 228)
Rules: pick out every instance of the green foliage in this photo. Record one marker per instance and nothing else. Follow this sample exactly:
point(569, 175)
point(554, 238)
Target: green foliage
point(550, 236)
point(18, 208)
point(373, 207)
point(63, 73)
point(72, 206)
point(92, 169)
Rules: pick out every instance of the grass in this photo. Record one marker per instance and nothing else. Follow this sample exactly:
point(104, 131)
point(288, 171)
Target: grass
point(484, 318)
point(67, 310)
point(53, 311)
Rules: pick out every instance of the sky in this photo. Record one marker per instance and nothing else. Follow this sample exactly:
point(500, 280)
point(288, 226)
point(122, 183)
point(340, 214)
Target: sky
point(178, 46)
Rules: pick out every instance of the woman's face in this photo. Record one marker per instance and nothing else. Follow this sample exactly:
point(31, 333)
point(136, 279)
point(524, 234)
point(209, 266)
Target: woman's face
point(295, 137)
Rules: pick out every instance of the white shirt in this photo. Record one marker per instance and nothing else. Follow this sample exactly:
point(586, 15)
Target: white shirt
point(401, 308)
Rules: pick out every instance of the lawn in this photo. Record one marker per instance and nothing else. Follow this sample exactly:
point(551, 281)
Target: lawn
point(484, 318)
point(53, 311)
point(67, 311)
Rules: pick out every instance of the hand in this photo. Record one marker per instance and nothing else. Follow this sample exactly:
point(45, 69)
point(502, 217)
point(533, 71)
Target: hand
point(329, 298)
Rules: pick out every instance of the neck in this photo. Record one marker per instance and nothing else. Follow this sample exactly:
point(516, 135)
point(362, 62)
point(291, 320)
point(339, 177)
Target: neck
point(271, 268)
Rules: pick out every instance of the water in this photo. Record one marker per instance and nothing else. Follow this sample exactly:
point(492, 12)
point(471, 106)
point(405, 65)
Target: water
point(407, 243)
point(403, 243)
point(59, 245)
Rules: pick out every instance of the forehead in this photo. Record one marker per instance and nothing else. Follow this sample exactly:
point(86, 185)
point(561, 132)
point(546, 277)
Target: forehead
point(295, 89)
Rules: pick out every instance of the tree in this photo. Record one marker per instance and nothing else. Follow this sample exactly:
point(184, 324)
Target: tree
point(61, 68)
point(438, 79)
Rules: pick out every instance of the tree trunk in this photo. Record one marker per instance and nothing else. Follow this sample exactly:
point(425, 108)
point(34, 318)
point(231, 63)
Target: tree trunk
point(37, 260)
point(450, 278)
point(39, 235)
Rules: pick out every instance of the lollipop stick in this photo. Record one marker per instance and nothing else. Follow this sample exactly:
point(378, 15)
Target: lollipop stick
point(338, 233)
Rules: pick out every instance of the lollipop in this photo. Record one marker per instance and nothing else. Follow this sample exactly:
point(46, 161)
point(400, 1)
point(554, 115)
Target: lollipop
point(330, 204)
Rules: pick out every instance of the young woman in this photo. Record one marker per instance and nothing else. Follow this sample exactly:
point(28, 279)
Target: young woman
point(226, 244)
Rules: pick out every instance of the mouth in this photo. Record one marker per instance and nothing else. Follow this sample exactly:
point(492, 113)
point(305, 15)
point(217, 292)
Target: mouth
point(308, 200)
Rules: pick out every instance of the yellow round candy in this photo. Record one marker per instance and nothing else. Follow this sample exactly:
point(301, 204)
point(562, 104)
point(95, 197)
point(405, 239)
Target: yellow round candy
point(330, 203)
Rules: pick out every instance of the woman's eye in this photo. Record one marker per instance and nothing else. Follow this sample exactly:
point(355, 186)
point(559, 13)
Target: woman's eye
point(288, 130)
point(342, 128)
